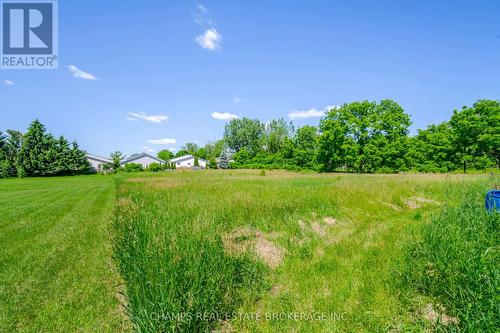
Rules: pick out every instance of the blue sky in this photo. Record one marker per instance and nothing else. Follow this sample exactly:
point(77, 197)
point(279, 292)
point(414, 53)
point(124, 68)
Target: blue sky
point(135, 73)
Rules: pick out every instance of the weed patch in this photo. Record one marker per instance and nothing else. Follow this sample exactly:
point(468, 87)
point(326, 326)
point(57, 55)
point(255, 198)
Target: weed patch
point(456, 264)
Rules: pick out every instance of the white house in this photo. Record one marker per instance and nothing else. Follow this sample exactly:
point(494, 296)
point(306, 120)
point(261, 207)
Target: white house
point(187, 161)
point(143, 158)
point(97, 161)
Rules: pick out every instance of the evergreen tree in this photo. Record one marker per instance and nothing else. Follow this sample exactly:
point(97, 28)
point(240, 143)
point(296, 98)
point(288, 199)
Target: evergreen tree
point(116, 159)
point(224, 159)
point(4, 165)
point(12, 148)
point(32, 155)
point(78, 160)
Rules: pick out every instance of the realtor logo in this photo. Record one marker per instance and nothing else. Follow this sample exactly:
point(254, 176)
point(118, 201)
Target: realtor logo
point(29, 34)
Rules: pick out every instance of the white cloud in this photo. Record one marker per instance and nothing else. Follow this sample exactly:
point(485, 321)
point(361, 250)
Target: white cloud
point(236, 99)
point(312, 112)
point(164, 141)
point(8, 82)
point(172, 149)
point(306, 114)
point(79, 74)
point(224, 115)
point(201, 15)
point(157, 119)
point(210, 39)
point(148, 149)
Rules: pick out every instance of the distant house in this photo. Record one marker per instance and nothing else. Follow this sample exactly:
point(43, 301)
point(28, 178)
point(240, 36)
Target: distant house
point(144, 159)
point(97, 162)
point(187, 161)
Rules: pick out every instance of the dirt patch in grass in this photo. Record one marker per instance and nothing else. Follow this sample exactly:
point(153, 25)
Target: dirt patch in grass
point(302, 225)
point(122, 301)
point(319, 252)
point(329, 221)
point(418, 202)
point(276, 290)
point(240, 240)
point(245, 239)
point(436, 314)
point(269, 252)
point(318, 229)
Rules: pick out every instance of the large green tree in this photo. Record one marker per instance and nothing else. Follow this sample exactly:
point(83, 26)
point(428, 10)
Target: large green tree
point(364, 137)
point(305, 147)
point(476, 133)
point(244, 133)
point(116, 159)
point(4, 166)
point(40, 154)
point(182, 152)
point(13, 146)
point(432, 149)
point(78, 162)
point(165, 155)
point(276, 132)
point(191, 147)
point(34, 151)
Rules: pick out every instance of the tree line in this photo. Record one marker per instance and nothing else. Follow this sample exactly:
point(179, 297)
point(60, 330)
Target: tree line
point(355, 137)
point(39, 153)
point(360, 137)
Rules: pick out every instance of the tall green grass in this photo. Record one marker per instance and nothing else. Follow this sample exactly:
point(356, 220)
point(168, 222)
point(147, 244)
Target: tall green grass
point(457, 263)
point(179, 279)
point(168, 230)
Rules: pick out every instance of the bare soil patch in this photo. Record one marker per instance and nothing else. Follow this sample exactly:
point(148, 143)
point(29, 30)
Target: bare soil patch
point(329, 221)
point(436, 314)
point(245, 239)
point(269, 252)
point(318, 229)
point(418, 202)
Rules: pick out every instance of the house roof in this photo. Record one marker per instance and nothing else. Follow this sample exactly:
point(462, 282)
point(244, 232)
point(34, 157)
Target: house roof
point(186, 157)
point(137, 156)
point(98, 158)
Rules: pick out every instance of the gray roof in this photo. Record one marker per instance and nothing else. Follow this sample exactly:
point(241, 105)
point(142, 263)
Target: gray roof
point(98, 158)
point(185, 157)
point(137, 156)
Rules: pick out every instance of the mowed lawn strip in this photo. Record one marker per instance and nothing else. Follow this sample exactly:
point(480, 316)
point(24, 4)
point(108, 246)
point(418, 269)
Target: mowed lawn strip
point(56, 272)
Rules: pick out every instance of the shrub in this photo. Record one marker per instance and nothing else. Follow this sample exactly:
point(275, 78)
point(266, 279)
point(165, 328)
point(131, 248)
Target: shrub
point(212, 163)
point(456, 263)
point(133, 167)
point(154, 167)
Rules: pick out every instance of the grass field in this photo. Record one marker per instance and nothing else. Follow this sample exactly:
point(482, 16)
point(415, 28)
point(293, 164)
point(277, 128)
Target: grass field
point(332, 244)
point(56, 271)
point(231, 250)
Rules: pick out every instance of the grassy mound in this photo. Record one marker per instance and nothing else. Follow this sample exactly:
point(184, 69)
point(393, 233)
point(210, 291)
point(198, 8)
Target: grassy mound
point(456, 263)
